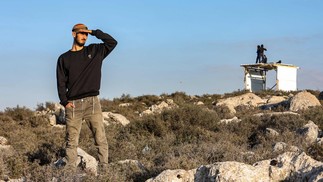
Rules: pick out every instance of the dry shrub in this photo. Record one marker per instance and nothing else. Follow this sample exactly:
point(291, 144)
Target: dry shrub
point(316, 93)
point(3, 166)
point(209, 99)
point(16, 165)
point(282, 123)
point(151, 125)
point(148, 100)
point(315, 151)
point(223, 112)
point(19, 114)
point(235, 93)
point(47, 105)
point(180, 98)
point(45, 154)
point(28, 139)
point(26, 117)
point(314, 114)
point(191, 116)
point(264, 93)
point(107, 105)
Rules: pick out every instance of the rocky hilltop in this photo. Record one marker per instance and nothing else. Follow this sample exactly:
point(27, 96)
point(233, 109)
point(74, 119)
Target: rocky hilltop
point(267, 136)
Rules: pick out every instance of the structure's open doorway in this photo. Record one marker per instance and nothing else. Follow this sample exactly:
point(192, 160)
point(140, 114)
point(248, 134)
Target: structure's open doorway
point(255, 77)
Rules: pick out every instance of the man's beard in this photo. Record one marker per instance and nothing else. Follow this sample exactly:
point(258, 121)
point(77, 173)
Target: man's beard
point(79, 43)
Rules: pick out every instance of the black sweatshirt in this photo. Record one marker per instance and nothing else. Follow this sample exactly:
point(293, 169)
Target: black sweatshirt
point(79, 72)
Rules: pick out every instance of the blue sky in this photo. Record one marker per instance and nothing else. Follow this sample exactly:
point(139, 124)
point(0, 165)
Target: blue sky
point(195, 47)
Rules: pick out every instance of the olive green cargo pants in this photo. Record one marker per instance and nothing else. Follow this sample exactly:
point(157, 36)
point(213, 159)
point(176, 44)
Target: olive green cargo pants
point(88, 109)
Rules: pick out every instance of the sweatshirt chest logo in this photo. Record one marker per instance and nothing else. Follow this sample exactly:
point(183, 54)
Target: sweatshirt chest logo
point(89, 56)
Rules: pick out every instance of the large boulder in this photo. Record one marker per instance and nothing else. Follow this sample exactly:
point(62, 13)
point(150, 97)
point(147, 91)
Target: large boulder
point(279, 146)
point(59, 112)
point(88, 162)
point(289, 166)
point(310, 132)
point(303, 100)
point(248, 99)
point(231, 171)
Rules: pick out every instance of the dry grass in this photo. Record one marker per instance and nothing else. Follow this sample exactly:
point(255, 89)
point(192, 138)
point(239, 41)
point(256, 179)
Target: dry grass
point(185, 137)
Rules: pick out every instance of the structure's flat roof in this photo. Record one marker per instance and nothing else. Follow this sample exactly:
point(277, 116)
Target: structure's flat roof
point(267, 66)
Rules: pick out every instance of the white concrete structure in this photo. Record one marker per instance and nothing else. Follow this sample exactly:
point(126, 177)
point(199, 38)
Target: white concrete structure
point(255, 76)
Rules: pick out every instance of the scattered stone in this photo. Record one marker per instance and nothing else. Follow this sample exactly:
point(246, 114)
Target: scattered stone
point(271, 132)
point(310, 131)
point(170, 101)
point(276, 113)
point(169, 104)
point(7, 179)
point(5, 149)
point(248, 154)
point(294, 149)
point(146, 150)
point(60, 163)
point(59, 113)
point(199, 103)
point(3, 140)
point(177, 175)
point(135, 165)
point(125, 105)
point(59, 126)
point(319, 141)
point(234, 119)
point(52, 120)
point(107, 116)
point(279, 146)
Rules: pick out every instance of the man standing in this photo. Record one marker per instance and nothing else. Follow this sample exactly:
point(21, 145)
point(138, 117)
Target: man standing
point(258, 54)
point(78, 82)
point(262, 54)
